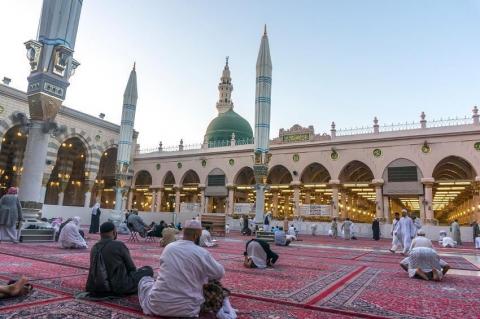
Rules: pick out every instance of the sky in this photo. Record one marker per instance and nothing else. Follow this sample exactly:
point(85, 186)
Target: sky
point(339, 60)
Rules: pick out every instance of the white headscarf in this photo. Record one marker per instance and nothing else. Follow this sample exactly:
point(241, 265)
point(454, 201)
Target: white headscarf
point(70, 236)
point(76, 220)
point(94, 208)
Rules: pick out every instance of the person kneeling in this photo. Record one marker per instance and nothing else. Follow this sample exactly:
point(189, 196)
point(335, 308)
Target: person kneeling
point(180, 289)
point(424, 263)
point(112, 271)
point(206, 238)
point(71, 235)
point(259, 255)
point(281, 238)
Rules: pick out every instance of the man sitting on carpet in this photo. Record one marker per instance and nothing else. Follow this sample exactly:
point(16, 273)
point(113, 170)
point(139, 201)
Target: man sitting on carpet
point(421, 240)
point(70, 236)
point(185, 268)
point(206, 238)
point(112, 271)
point(136, 223)
point(424, 263)
point(258, 254)
point(281, 238)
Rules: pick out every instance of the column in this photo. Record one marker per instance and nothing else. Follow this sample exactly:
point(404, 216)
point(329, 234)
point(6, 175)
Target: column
point(428, 184)
point(99, 195)
point(334, 185)
point(130, 199)
point(34, 163)
point(61, 191)
point(177, 198)
point(296, 198)
point(307, 198)
point(386, 209)
point(154, 200)
point(201, 187)
point(206, 205)
point(231, 198)
point(275, 203)
point(61, 196)
point(88, 186)
point(476, 198)
point(421, 200)
point(43, 190)
point(158, 203)
point(345, 212)
point(378, 183)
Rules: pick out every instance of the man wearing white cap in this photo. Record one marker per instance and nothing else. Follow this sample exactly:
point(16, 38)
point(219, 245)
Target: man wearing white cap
point(406, 231)
point(185, 268)
point(421, 240)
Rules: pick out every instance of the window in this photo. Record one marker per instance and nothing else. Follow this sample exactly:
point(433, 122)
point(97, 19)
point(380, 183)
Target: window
point(216, 180)
point(402, 174)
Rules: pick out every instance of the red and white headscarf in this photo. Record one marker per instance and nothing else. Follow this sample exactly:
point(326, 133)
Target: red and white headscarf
point(12, 191)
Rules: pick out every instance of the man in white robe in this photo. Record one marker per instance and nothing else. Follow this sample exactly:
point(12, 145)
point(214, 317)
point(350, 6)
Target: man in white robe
point(421, 240)
point(406, 230)
point(184, 268)
point(455, 230)
point(70, 235)
point(206, 238)
point(424, 263)
point(396, 238)
point(417, 223)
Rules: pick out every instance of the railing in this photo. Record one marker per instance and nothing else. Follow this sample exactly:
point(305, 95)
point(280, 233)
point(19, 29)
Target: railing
point(354, 131)
point(189, 147)
point(451, 122)
point(400, 127)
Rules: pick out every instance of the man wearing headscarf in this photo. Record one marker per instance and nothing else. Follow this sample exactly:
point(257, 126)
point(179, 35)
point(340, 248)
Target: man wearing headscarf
point(122, 276)
point(95, 219)
point(10, 216)
point(185, 268)
point(70, 236)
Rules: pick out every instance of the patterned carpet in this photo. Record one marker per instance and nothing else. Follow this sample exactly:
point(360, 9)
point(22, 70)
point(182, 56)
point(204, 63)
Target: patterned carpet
point(310, 280)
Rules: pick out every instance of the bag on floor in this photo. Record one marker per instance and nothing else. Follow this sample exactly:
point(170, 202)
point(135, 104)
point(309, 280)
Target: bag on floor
point(97, 282)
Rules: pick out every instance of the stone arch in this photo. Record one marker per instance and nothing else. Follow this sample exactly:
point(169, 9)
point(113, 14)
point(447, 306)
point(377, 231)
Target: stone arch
point(5, 124)
point(103, 178)
point(454, 168)
point(13, 144)
point(143, 178)
point(356, 171)
point(244, 176)
point(56, 142)
point(168, 178)
point(315, 173)
point(190, 177)
point(279, 174)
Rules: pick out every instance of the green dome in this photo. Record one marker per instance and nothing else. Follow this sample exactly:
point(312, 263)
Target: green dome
point(222, 127)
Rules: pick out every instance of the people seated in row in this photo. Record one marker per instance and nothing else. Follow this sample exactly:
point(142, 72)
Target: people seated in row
point(156, 230)
point(281, 237)
point(15, 288)
point(206, 238)
point(137, 224)
point(168, 235)
point(258, 254)
point(424, 263)
point(185, 268)
point(71, 235)
point(112, 270)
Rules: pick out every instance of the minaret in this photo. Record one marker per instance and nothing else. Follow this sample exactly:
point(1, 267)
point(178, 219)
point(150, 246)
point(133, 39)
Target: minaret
point(51, 65)
point(262, 124)
point(124, 153)
point(225, 89)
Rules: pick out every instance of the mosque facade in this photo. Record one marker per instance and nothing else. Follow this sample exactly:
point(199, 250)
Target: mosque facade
point(428, 167)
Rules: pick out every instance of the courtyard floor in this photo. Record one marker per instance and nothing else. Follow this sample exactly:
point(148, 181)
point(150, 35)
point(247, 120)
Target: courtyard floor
point(317, 277)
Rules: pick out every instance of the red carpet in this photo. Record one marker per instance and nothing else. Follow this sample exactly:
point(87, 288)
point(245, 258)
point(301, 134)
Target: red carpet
point(307, 282)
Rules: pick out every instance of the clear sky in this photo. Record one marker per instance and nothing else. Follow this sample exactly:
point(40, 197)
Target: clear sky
point(338, 60)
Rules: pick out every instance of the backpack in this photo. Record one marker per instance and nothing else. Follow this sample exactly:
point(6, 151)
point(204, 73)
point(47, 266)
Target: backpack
point(98, 282)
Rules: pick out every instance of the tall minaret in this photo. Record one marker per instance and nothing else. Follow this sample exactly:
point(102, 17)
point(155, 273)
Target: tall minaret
point(262, 124)
point(225, 89)
point(124, 153)
point(51, 65)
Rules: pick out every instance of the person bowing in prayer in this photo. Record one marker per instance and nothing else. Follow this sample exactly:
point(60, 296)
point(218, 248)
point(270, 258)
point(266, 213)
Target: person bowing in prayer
point(70, 236)
point(112, 271)
point(424, 263)
point(258, 254)
point(185, 268)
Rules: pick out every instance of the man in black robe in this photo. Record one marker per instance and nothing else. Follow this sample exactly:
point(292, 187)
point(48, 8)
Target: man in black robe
point(376, 229)
point(122, 275)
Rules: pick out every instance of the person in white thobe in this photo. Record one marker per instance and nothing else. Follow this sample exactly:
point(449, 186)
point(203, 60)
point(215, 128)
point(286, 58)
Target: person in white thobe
point(421, 241)
point(417, 223)
point(396, 239)
point(406, 230)
point(292, 234)
point(424, 263)
point(206, 239)
point(455, 230)
point(184, 268)
point(448, 242)
point(70, 235)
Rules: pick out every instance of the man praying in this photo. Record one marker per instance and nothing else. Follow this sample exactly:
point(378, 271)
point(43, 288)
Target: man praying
point(206, 238)
point(112, 271)
point(185, 268)
point(421, 240)
point(258, 254)
point(281, 238)
point(70, 236)
point(424, 263)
